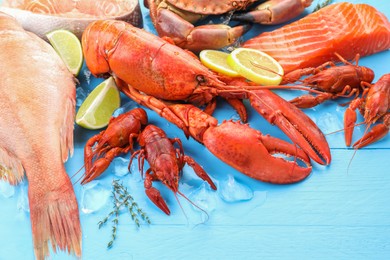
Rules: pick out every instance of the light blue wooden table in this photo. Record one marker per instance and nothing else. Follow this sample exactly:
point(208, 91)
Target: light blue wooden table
point(341, 211)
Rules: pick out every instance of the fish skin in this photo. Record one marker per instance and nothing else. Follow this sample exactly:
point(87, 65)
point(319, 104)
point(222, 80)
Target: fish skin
point(42, 23)
point(345, 28)
point(36, 134)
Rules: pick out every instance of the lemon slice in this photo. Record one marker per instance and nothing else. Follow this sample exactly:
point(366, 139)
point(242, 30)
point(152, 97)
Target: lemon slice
point(216, 61)
point(68, 46)
point(96, 110)
point(256, 66)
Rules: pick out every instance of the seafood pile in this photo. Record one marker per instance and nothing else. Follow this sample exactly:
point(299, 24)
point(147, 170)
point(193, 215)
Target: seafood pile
point(160, 73)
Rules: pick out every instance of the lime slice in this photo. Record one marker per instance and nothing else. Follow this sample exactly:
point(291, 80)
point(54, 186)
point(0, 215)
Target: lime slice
point(256, 66)
point(216, 61)
point(96, 110)
point(68, 46)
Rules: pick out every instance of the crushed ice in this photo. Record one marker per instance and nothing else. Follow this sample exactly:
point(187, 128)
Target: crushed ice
point(22, 203)
point(231, 190)
point(80, 96)
point(6, 189)
point(94, 196)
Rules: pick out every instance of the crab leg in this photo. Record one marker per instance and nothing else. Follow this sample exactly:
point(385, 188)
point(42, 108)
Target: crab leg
point(169, 23)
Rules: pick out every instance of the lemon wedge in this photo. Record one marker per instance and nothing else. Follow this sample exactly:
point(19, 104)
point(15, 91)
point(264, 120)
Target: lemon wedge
point(68, 47)
point(216, 61)
point(96, 110)
point(256, 66)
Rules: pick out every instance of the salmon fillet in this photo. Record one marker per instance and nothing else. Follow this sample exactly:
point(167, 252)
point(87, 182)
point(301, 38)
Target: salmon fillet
point(345, 28)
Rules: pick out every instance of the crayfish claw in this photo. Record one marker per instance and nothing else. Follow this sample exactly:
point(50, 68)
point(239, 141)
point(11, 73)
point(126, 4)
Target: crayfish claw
point(376, 133)
point(155, 196)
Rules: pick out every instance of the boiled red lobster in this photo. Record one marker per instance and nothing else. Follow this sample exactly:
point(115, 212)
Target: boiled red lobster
point(166, 163)
point(149, 69)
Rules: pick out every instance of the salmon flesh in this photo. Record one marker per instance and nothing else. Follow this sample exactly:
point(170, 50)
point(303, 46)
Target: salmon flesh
point(38, 94)
point(345, 28)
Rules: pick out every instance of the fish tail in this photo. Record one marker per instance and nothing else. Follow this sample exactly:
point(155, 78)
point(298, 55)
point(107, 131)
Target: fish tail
point(55, 218)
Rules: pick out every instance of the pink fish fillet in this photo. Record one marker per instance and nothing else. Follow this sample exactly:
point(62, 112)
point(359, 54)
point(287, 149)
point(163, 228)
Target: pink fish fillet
point(345, 28)
point(37, 95)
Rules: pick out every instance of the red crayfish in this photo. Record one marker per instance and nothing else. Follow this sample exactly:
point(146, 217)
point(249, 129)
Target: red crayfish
point(335, 81)
point(102, 148)
point(149, 70)
point(374, 105)
point(166, 163)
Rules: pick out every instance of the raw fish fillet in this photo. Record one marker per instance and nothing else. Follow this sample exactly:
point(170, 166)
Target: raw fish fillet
point(44, 16)
point(37, 94)
point(344, 28)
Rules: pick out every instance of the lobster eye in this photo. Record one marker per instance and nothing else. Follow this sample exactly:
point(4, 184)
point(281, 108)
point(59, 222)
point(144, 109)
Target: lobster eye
point(201, 79)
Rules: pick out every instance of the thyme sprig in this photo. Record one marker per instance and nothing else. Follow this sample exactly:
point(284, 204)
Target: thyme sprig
point(321, 5)
point(122, 198)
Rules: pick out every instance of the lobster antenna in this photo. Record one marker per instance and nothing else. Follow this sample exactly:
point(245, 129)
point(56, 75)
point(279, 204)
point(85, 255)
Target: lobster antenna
point(185, 197)
point(250, 88)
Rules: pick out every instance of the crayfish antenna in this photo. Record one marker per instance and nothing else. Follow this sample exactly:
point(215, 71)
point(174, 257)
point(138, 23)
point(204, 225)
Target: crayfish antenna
point(192, 203)
point(343, 129)
point(76, 173)
point(356, 148)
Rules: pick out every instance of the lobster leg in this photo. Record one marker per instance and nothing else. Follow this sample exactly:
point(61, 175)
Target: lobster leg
point(274, 11)
point(293, 122)
point(154, 194)
point(376, 133)
point(152, 103)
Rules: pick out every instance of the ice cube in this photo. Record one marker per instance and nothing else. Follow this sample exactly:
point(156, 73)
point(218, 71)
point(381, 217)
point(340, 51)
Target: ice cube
point(93, 197)
point(6, 189)
point(232, 190)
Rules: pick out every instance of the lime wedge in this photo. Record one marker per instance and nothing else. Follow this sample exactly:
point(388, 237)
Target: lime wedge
point(216, 61)
point(256, 66)
point(68, 46)
point(96, 110)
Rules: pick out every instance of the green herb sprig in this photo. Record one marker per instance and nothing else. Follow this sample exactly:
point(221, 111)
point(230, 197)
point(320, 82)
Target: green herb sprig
point(122, 198)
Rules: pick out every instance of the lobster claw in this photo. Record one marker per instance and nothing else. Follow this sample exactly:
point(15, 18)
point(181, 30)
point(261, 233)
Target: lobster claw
point(250, 152)
point(293, 122)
